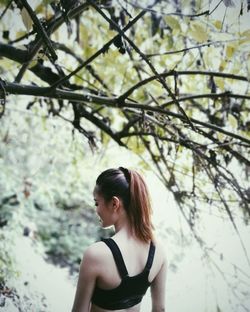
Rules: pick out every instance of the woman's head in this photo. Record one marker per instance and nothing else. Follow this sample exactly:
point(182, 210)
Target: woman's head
point(130, 187)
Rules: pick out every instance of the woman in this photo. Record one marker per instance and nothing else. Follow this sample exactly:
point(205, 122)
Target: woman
point(116, 272)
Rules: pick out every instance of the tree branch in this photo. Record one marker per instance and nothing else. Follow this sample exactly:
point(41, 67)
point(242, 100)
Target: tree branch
point(44, 73)
point(162, 81)
point(226, 94)
point(110, 102)
point(180, 73)
point(100, 124)
point(99, 52)
point(53, 24)
point(184, 50)
point(40, 30)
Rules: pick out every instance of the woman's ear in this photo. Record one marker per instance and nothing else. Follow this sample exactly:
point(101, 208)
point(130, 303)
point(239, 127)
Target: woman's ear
point(116, 203)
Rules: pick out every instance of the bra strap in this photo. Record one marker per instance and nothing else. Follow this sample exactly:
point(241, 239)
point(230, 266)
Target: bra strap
point(151, 254)
point(117, 256)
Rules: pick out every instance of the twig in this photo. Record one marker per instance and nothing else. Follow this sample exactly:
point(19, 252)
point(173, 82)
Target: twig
point(167, 13)
point(190, 48)
point(209, 96)
point(5, 10)
point(180, 73)
point(211, 12)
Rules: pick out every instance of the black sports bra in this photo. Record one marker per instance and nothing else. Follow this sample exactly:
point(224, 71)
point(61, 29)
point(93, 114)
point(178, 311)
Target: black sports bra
point(131, 289)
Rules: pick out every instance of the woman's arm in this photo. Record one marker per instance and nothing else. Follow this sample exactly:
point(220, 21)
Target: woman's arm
point(86, 282)
point(158, 289)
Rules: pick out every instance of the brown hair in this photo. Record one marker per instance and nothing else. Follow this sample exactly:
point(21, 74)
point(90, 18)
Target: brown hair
point(130, 186)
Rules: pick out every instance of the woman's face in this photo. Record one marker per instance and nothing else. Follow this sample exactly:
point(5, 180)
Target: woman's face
point(103, 210)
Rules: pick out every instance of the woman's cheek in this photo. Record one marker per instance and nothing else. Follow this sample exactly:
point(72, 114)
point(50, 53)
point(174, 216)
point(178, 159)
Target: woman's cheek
point(99, 217)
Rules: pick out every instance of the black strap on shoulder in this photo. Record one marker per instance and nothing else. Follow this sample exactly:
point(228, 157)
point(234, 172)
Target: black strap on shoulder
point(117, 256)
point(151, 254)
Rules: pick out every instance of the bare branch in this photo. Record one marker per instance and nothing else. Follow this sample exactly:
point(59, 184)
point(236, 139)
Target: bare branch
point(226, 94)
point(180, 73)
point(184, 50)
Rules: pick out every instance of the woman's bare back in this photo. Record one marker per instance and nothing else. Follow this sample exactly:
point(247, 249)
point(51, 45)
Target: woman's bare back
point(134, 254)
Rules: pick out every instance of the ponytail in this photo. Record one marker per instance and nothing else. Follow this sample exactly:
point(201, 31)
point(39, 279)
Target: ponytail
point(140, 209)
point(130, 186)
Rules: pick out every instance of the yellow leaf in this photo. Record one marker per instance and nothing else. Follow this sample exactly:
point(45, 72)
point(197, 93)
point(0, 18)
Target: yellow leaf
point(32, 63)
point(180, 148)
point(42, 56)
point(232, 121)
point(27, 21)
point(220, 136)
point(220, 82)
point(248, 67)
point(198, 32)
point(20, 34)
point(173, 23)
point(144, 165)
point(136, 145)
point(40, 8)
point(230, 49)
point(245, 34)
point(243, 41)
point(105, 138)
point(223, 65)
point(170, 42)
point(218, 24)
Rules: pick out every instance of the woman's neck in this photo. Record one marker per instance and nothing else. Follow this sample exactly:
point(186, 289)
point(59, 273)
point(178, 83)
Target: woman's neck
point(123, 227)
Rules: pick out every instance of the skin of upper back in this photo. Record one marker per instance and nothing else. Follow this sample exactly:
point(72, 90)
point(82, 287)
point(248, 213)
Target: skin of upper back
point(135, 255)
point(98, 268)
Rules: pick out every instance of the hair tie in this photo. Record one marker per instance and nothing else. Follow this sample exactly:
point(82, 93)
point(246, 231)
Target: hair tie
point(126, 173)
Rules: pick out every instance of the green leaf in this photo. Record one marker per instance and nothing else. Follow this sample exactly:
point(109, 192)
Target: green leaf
point(105, 138)
point(232, 121)
point(136, 145)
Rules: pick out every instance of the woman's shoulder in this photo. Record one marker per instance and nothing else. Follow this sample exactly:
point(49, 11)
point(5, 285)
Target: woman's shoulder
point(96, 252)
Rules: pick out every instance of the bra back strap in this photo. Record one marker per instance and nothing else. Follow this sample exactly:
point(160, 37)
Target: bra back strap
point(151, 254)
point(117, 256)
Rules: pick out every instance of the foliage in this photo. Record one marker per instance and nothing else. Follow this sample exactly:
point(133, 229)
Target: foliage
point(7, 235)
point(67, 236)
point(7, 262)
point(44, 192)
